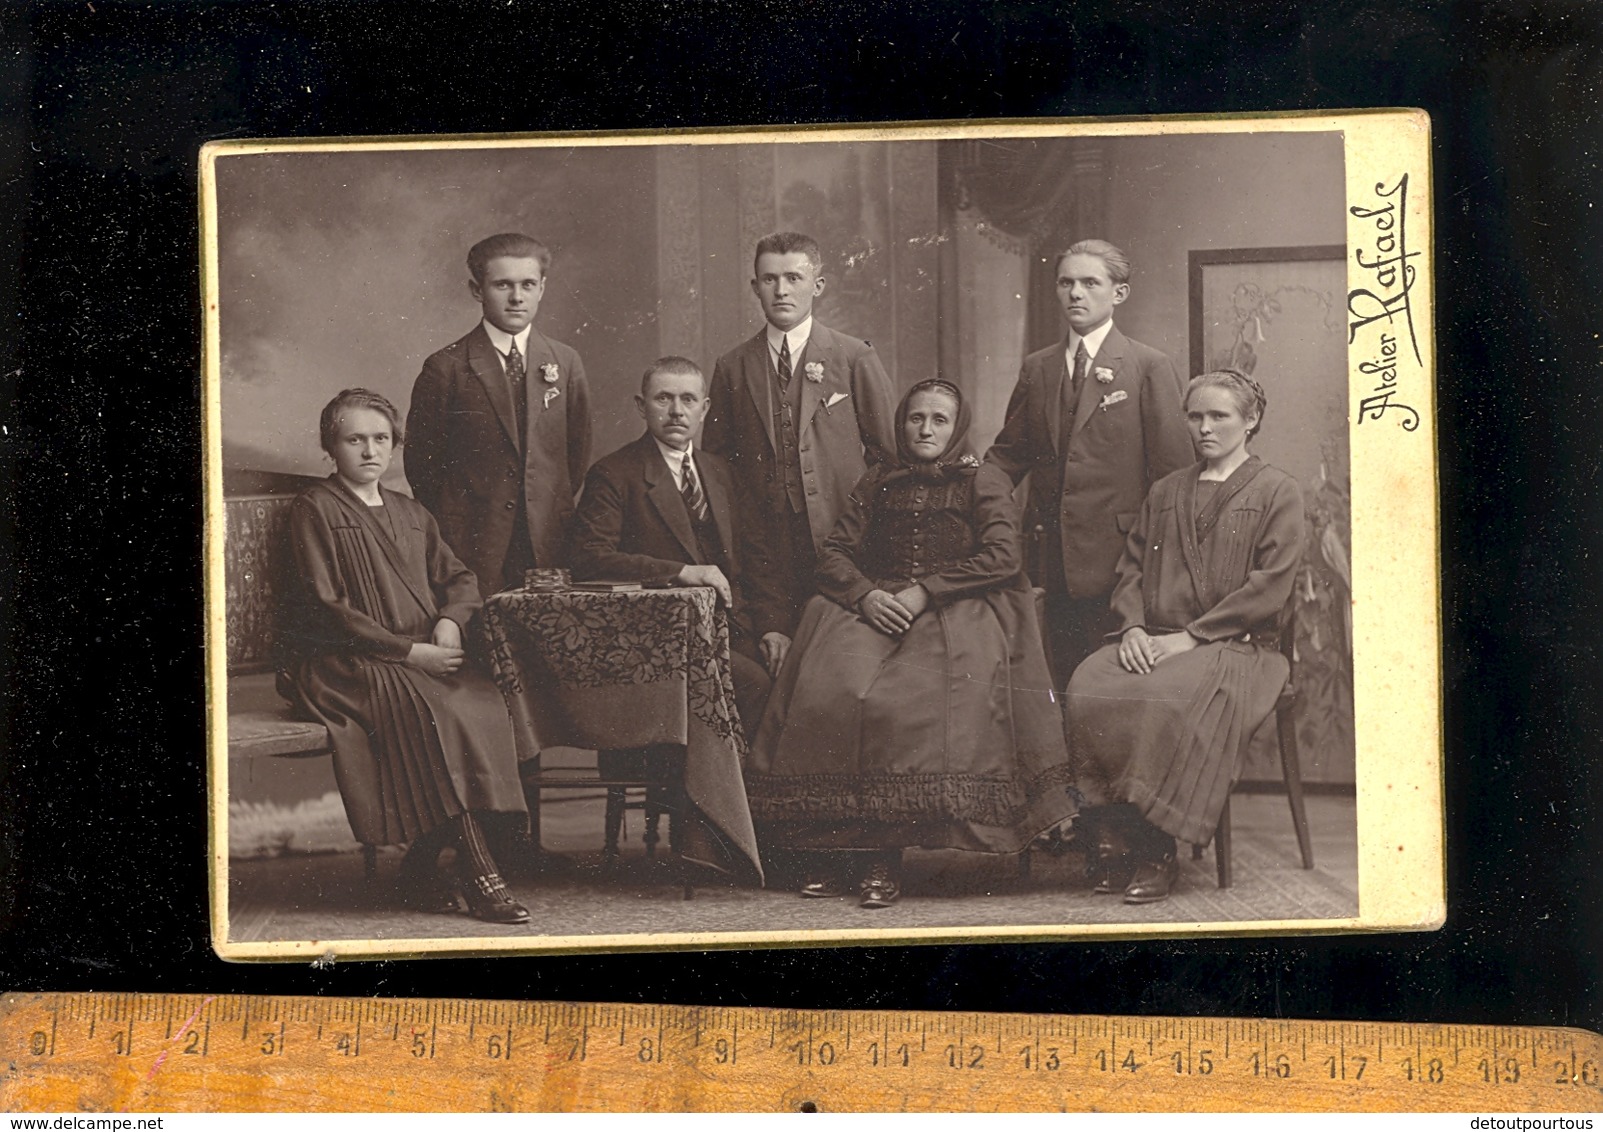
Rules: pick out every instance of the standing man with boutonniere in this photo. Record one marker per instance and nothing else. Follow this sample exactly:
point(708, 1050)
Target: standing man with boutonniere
point(799, 411)
point(498, 437)
point(1095, 421)
point(498, 432)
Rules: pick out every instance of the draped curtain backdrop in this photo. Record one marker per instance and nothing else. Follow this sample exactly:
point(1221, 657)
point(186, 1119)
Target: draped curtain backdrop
point(1034, 197)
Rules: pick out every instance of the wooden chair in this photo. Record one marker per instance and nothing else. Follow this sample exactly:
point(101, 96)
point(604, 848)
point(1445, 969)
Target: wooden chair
point(1290, 761)
point(658, 772)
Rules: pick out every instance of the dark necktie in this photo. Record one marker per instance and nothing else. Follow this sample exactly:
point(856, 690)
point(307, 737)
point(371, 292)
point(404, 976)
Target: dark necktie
point(695, 501)
point(784, 362)
point(1082, 362)
point(517, 379)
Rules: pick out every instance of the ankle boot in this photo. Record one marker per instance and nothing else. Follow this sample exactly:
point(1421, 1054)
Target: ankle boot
point(1108, 860)
point(489, 900)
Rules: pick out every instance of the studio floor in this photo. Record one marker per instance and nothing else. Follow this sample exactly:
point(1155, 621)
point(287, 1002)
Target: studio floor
point(325, 896)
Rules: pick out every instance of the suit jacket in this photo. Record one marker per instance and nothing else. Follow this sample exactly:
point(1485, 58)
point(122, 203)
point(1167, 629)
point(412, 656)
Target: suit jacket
point(632, 524)
point(835, 441)
point(463, 460)
point(1091, 472)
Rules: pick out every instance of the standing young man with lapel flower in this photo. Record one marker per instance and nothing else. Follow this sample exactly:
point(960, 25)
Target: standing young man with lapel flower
point(799, 411)
point(1097, 419)
point(499, 425)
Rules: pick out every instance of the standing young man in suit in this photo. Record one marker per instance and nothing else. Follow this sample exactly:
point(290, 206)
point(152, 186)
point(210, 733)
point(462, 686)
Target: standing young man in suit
point(498, 433)
point(799, 411)
point(656, 511)
point(1095, 420)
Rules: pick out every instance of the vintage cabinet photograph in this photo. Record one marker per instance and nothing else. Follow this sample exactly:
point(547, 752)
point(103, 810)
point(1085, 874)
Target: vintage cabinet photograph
point(906, 533)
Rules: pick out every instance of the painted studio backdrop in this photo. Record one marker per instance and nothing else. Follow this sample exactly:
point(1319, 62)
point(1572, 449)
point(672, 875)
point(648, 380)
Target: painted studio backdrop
point(347, 268)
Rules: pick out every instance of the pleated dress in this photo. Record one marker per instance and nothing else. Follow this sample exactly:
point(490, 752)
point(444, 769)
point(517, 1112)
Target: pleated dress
point(411, 750)
point(1218, 561)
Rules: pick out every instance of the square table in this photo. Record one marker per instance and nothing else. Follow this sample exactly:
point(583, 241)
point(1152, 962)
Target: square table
point(632, 668)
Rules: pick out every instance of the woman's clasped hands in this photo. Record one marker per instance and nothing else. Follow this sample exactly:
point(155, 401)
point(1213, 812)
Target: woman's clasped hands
point(1139, 651)
point(891, 614)
point(443, 656)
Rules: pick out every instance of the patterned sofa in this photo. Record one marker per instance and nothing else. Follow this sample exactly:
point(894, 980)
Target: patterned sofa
point(256, 559)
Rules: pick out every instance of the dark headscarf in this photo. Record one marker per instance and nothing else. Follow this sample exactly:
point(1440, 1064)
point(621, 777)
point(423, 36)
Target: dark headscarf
point(955, 460)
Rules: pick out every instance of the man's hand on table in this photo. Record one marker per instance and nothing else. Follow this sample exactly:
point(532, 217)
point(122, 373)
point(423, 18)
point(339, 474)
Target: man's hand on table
point(707, 576)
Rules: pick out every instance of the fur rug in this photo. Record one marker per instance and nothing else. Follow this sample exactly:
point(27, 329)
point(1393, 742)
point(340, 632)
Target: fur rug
point(268, 829)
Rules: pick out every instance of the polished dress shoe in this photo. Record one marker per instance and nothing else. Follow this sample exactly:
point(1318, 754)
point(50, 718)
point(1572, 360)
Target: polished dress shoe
point(825, 885)
point(489, 900)
point(1153, 880)
point(879, 888)
point(1110, 864)
point(1110, 873)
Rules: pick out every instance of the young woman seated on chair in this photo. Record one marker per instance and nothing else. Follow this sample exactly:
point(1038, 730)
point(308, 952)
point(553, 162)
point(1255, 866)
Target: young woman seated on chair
point(373, 634)
point(1157, 720)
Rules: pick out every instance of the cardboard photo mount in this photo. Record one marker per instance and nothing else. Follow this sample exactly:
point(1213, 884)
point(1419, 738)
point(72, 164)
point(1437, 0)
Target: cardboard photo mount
point(1381, 235)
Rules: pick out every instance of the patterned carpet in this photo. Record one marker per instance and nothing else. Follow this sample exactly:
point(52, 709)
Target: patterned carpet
point(325, 896)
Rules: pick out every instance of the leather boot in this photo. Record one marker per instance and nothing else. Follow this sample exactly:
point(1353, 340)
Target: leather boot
point(1157, 869)
point(1109, 861)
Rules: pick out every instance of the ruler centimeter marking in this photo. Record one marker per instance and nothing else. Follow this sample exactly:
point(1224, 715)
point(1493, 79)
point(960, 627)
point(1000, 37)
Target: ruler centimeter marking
point(102, 1052)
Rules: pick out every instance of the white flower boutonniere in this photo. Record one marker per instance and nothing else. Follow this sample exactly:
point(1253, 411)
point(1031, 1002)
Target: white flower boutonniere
point(1113, 399)
point(1104, 375)
point(550, 395)
point(548, 373)
point(969, 460)
point(814, 371)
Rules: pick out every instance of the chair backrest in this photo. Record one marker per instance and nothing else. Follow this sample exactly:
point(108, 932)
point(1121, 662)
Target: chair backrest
point(1287, 626)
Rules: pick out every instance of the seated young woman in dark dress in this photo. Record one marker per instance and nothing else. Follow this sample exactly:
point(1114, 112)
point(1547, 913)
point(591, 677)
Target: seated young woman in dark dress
point(914, 708)
point(423, 744)
point(1158, 720)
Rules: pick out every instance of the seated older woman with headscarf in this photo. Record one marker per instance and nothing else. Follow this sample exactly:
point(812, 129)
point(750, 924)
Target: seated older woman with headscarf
point(915, 708)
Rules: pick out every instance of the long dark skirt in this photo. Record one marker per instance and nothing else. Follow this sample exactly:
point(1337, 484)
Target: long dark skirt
point(949, 737)
point(412, 751)
point(1170, 741)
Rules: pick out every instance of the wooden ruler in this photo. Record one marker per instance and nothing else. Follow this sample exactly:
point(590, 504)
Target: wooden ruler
point(177, 1053)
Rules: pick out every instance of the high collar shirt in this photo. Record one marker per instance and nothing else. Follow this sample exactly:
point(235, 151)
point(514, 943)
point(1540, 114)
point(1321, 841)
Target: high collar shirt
point(1093, 344)
point(502, 341)
point(797, 337)
point(676, 461)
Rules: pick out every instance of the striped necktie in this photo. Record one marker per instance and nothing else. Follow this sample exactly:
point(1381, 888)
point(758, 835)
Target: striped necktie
point(690, 489)
point(784, 362)
point(1082, 362)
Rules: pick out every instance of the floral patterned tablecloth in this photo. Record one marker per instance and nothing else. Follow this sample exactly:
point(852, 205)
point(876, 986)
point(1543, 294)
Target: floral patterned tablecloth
point(611, 671)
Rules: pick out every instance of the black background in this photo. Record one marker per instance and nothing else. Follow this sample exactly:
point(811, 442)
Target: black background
point(102, 791)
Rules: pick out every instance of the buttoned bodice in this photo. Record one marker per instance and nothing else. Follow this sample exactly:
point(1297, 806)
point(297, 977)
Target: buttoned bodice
point(919, 528)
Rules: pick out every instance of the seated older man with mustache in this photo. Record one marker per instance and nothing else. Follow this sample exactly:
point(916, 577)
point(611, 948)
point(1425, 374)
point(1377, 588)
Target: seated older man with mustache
point(657, 511)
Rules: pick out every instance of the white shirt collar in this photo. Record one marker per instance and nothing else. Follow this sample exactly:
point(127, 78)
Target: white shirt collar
point(797, 336)
point(1093, 342)
point(502, 341)
point(675, 460)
